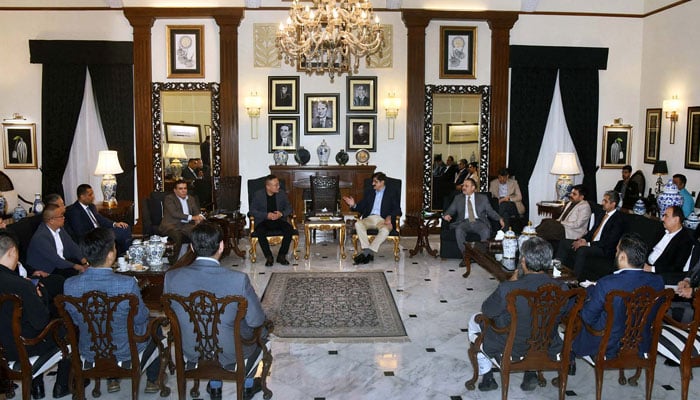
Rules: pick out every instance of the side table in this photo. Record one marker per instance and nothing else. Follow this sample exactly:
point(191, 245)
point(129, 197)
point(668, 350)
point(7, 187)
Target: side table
point(324, 225)
point(550, 209)
point(422, 223)
point(231, 227)
point(123, 212)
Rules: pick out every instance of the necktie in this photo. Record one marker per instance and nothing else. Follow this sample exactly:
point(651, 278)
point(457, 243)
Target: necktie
point(92, 217)
point(470, 210)
point(600, 226)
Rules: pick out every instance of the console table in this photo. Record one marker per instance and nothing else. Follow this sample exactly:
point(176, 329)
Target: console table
point(296, 179)
point(123, 212)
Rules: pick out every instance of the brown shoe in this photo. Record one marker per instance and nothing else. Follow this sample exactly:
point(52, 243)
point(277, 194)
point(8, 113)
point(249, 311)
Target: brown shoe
point(151, 387)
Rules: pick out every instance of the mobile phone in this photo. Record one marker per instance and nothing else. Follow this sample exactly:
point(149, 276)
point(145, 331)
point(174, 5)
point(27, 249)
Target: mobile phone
point(35, 281)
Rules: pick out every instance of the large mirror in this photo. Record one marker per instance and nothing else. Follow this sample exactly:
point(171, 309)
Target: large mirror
point(456, 124)
point(186, 114)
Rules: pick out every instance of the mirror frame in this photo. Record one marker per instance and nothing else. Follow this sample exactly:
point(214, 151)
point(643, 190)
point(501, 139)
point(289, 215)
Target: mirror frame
point(484, 126)
point(158, 157)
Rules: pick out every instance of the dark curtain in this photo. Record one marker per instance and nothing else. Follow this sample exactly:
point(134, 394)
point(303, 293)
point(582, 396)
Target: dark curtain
point(62, 91)
point(113, 89)
point(532, 90)
point(579, 95)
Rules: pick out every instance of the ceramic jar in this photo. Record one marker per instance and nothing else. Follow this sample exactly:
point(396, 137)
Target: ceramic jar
point(639, 207)
point(19, 213)
point(38, 206)
point(692, 221)
point(527, 234)
point(280, 157)
point(3, 204)
point(510, 244)
point(669, 197)
point(154, 251)
point(324, 152)
point(342, 157)
point(136, 252)
point(302, 156)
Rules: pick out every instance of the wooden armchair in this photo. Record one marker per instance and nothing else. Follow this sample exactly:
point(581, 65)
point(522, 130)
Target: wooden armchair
point(549, 307)
point(274, 238)
point(202, 313)
point(679, 342)
point(98, 312)
point(392, 184)
point(645, 309)
point(27, 367)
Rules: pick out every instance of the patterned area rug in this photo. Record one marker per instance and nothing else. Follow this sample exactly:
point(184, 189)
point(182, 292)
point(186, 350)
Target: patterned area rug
point(355, 306)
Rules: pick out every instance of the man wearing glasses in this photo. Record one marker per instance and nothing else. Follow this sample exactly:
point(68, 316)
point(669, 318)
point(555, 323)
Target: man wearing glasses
point(51, 249)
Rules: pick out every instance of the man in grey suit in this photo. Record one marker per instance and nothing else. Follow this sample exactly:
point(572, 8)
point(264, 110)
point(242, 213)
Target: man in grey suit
point(180, 215)
point(206, 273)
point(470, 213)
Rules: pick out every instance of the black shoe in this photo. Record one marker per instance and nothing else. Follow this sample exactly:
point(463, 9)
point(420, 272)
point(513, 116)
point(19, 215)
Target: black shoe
point(214, 394)
point(359, 259)
point(369, 258)
point(269, 261)
point(63, 391)
point(670, 363)
point(530, 381)
point(488, 383)
point(249, 393)
point(282, 259)
point(38, 391)
point(572, 368)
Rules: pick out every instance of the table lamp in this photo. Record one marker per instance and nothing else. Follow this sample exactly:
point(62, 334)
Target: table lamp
point(565, 164)
point(107, 166)
point(175, 152)
point(660, 168)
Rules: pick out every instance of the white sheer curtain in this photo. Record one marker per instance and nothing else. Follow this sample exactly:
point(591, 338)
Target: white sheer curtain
point(556, 139)
point(88, 141)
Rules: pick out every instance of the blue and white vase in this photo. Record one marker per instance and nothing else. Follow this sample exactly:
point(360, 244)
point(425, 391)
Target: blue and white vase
point(692, 221)
point(19, 213)
point(324, 152)
point(639, 207)
point(280, 157)
point(510, 244)
point(3, 204)
point(669, 197)
point(136, 252)
point(38, 206)
point(154, 251)
point(527, 234)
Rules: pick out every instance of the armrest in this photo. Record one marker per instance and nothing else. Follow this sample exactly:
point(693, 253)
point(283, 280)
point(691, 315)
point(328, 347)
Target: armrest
point(53, 328)
point(680, 325)
point(251, 218)
point(267, 326)
point(292, 220)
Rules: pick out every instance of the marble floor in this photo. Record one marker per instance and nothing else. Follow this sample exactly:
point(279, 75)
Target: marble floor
point(434, 302)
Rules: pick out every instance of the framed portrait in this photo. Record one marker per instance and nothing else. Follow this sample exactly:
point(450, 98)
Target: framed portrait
point(362, 132)
point(362, 93)
point(182, 133)
point(617, 142)
point(284, 134)
point(437, 133)
point(321, 113)
point(462, 133)
point(458, 52)
point(185, 51)
point(692, 139)
point(19, 142)
point(652, 135)
point(283, 94)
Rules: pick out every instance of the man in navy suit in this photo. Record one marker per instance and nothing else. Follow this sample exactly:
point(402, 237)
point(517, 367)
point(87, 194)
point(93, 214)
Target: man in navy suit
point(270, 208)
point(378, 209)
point(630, 257)
point(601, 241)
point(206, 273)
point(82, 217)
point(99, 249)
point(51, 249)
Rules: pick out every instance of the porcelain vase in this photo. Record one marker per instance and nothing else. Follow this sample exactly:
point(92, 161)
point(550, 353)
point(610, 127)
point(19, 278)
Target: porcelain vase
point(38, 206)
point(639, 207)
point(154, 251)
point(280, 157)
point(136, 252)
point(669, 197)
point(19, 213)
point(323, 151)
point(510, 244)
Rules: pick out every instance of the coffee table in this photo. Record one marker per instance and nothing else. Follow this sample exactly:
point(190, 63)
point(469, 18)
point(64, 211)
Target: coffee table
point(150, 282)
point(484, 254)
point(324, 224)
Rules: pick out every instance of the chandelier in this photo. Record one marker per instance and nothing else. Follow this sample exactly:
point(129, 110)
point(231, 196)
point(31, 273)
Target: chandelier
point(332, 36)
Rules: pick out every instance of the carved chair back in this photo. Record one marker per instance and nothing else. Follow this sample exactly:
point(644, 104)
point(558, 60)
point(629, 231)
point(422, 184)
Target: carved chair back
point(325, 195)
point(228, 195)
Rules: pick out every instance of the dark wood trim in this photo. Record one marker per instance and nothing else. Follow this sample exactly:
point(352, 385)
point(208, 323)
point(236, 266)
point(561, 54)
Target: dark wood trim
point(664, 8)
point(416, 20)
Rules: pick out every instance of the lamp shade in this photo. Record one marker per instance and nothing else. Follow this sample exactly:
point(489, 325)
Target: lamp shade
point(108, 163)
point(565, 164)
point(176, 150)
point(660, 168)
point(672, 105)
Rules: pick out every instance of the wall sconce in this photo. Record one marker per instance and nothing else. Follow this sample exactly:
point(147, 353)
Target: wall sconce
point(391, 106)
point(671, 108)
point(253, 103)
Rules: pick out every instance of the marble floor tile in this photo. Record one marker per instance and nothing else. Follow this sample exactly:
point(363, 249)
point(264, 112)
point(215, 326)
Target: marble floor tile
point(434, 302)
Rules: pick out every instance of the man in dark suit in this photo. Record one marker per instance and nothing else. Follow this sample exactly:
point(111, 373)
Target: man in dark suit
point(461, 174)
point(82, 217)
point(627, 188)
point(630, 256)
point(191, 172)
point(601, 241)
point(322, 119)
point(535, 259)
point(207, 273)
point(44, 254)
point(470, 212)
point(378, 209)
point(360, 98)
point(670, 255)
point(180, 214)
point(682, 306)
point(270, 208)
point(284, 136)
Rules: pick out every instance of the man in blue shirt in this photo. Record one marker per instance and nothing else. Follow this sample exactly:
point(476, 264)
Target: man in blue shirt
point(688, 202)
point(378, 208)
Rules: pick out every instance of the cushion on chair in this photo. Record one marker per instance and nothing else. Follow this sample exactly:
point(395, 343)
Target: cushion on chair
point(40, 364)
point(672, 342)
point(273, 233)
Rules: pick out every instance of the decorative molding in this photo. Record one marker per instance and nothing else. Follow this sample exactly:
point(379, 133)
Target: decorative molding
point(265, 51)
point(385, 57)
